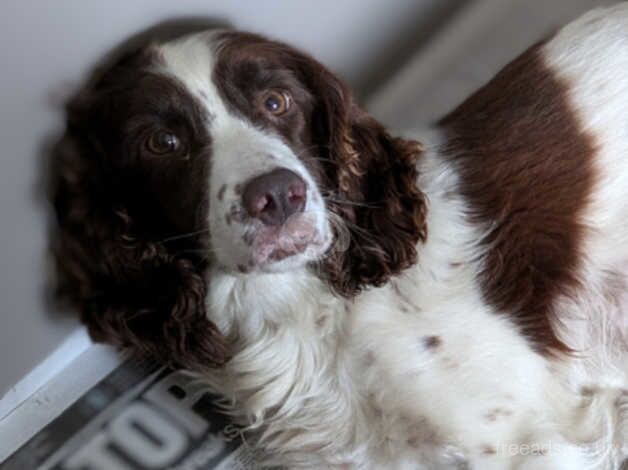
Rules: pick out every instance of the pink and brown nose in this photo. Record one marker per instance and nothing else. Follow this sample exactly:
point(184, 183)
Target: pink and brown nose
point(274, 196)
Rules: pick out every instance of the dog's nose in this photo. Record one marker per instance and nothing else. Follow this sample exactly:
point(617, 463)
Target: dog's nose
point(275, 196)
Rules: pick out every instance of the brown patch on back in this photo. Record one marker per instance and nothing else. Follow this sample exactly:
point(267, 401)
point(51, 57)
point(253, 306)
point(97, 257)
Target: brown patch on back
point(526, 171)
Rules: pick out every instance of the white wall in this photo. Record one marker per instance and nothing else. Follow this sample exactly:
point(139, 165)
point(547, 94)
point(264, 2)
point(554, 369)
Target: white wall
point(475, 43)
point(46, 46)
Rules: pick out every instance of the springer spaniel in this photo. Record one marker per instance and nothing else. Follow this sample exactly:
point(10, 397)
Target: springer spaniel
point(456, 298)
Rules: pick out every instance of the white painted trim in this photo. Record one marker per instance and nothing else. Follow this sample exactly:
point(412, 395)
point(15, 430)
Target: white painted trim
point(74, 345)
point(55, 396)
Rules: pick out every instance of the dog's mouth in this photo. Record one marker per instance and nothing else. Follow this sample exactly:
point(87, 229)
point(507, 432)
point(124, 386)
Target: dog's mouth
point(299, 235)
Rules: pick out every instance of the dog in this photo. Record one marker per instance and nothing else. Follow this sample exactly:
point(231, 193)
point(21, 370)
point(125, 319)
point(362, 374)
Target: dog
point(450, 298)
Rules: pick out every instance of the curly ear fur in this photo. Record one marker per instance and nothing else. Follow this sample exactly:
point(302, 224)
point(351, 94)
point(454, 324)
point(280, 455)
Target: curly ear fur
point(131, 291)
point(373, 177)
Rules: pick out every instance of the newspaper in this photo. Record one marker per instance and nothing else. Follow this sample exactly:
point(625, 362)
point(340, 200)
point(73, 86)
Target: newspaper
point(140, 417)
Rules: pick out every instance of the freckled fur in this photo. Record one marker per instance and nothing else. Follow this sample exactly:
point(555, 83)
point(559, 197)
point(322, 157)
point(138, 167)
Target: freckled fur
point(432, 342)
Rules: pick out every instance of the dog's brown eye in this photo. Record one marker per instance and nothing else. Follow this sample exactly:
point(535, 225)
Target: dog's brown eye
point(276, 102)
point(163, 143)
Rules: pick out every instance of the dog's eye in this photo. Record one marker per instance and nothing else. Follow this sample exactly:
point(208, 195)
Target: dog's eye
point(163, 143)
point(276, 102)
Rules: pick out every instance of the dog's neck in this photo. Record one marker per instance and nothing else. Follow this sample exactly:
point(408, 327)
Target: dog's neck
point(245, 306)
point(284, 331)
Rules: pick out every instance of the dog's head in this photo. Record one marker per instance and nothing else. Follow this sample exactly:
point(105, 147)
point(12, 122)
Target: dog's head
point(222, 149)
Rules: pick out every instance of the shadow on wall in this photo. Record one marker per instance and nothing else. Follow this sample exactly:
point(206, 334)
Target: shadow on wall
point(392, 57)
point(55, 293)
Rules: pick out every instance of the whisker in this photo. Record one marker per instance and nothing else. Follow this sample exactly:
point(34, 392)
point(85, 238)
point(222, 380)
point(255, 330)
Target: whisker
point(185, 235)
point(318, 158)
point(326, 160)
point(352, 203)
point(197, 250)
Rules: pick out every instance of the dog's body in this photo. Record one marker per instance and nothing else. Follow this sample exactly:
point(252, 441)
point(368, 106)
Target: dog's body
point(478, 317)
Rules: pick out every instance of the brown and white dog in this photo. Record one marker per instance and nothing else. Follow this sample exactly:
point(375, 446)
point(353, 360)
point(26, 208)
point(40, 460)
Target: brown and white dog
point(450, 299)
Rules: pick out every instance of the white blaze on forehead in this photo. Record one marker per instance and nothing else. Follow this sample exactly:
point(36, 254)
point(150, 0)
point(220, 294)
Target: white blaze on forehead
point(241, 150)
point(191, 61)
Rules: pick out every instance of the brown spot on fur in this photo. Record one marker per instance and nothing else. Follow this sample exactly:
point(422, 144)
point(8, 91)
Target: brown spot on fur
point(431, 342)
point(488, 450)
point(421, 431)
point(221, 192)
point(525, 167)
point(248, 238)
point(234, 215)
point(496, 413)
point(369, 358)
point(413, 441)
point(450, 363)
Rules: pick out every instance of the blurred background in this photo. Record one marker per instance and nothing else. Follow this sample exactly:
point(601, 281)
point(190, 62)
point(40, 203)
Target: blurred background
point(409, 61)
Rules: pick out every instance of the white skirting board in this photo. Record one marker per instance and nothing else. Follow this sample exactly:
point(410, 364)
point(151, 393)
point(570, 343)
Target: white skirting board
point(74, 345)
point(62, 388)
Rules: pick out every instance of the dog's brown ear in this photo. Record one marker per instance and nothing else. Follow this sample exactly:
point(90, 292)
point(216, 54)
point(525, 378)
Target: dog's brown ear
point(132, 291)
point(372, 177)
